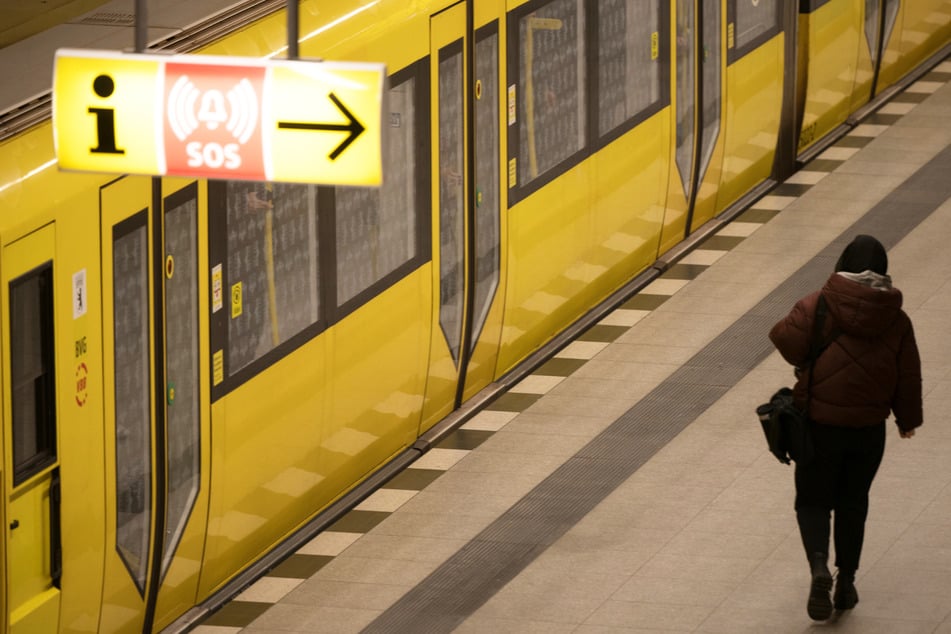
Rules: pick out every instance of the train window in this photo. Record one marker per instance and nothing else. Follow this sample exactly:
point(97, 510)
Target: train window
point(630, 60)
point(751, 23)
point(451, 194)
point(710, 66)
point(31, 368)
point(376, 228)
point(272, 266)
point(551, 111)
point(487, 174)
point(181, 336)
point(130, 281)
point(686, 92)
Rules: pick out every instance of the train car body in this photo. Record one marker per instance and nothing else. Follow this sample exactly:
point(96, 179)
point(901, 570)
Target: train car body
point(193, 370)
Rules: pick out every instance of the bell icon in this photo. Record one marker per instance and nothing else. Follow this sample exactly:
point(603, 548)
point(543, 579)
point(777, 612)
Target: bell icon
point(212, 110)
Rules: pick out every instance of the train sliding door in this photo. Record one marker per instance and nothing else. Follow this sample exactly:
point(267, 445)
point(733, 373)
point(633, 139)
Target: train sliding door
point(698, 95)
point(155, 415)
point(467, 239)
point(31, 504)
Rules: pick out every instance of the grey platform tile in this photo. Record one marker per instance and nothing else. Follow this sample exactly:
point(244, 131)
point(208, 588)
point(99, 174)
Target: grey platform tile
point(901, 579)
point(463, 504)
point(405, 574)
point(644, 301)
point(627, 371)
point(783, 189)
point(358, 521)
point(647, 353)
point(602, 333)
point(609, 534)
point(572, 608)
point(910, 97)
point(701, 567)
point(721, 243)
point(432, 525)
point(822, 165)
point(842, 186)
point(578, 406)
point(580, 568)
point(560, 367)
point(478, 624)
point(464, 439)
point(679, 328)
point(904, 606)
point(917, 557)
point(879, 118)
point(413, 479)
point(694, 543)
point(312, 620)
point(759, 216)
point(513, 402)
point(342, 594)
point(458, 481)
point(684, 271)
point(300, 566)
point(854, 141)
point(406, 547)
point(722, 521)
point(664, 617)
point(237, 614)
point(586, 426)
point(687, 592)
point(526, 462)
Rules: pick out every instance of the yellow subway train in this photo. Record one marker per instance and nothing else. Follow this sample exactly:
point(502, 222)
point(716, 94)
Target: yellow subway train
point(195, 370)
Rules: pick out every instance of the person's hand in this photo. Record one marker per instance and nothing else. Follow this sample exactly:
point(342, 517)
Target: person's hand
point(906, 434)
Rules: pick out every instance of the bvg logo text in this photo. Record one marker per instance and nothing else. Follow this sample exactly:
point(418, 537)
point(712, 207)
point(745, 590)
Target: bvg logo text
point(212, 120)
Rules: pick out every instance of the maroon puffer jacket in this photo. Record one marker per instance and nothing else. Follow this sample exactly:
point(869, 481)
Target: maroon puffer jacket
point(871, 368)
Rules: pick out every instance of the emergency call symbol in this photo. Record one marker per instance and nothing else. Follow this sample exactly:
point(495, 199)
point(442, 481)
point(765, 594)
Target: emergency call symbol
point(190, 108)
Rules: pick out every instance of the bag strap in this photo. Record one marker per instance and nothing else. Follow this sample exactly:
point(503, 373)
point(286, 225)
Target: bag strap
point(816, 345)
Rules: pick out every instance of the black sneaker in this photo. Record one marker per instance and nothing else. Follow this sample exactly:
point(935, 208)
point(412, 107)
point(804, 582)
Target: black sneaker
point(846, 596)
point(819, 606)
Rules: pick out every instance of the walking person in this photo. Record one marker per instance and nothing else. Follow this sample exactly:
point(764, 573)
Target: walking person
point(870, 368)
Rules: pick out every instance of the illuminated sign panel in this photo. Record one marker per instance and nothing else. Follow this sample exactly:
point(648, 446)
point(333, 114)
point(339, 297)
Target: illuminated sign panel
point(216, 117)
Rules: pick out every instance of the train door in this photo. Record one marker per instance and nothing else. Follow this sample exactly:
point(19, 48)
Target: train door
point(154, 414)
point(466, 235)
point(879, 23)
point(30, 432)
point(698, 96)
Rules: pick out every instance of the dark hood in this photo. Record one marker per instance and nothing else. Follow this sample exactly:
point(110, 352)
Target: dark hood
point(860, 309)
point(864, 253)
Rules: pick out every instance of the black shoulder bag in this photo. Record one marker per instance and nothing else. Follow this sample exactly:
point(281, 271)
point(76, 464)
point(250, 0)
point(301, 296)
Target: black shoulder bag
point(785, 425)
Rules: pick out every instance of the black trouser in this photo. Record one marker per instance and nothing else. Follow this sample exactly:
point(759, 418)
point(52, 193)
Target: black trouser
point(838, 480)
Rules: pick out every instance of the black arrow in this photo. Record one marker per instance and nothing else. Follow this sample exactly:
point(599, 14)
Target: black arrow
point(355, 128)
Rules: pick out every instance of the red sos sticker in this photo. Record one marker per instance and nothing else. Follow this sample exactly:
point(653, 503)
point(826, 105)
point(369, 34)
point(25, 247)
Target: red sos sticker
point(213, 121)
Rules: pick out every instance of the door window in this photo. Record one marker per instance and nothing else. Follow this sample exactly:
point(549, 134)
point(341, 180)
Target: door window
point(487, 177)
point(31, 367)
point(181, 393)
point(451, 194)
point(133, 410)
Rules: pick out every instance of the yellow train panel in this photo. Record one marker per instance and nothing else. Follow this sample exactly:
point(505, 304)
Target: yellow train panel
point(925, 28)
point(377, 378)
point(831, 36)
point(549, 234)
point(755, 89)
point(628, 205)
point(265, 451)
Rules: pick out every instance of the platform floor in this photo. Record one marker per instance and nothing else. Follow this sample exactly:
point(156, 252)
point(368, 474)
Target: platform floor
point(625, 486)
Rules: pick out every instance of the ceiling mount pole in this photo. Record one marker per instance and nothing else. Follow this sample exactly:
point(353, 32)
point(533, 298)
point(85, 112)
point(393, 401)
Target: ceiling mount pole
point(141, 25)
point(293, 20)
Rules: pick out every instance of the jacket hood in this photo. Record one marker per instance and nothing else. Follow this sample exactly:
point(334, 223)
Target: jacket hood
point(862, 304)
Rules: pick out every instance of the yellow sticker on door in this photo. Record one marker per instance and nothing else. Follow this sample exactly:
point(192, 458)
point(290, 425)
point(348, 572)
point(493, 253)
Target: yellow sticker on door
point(236, 301)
